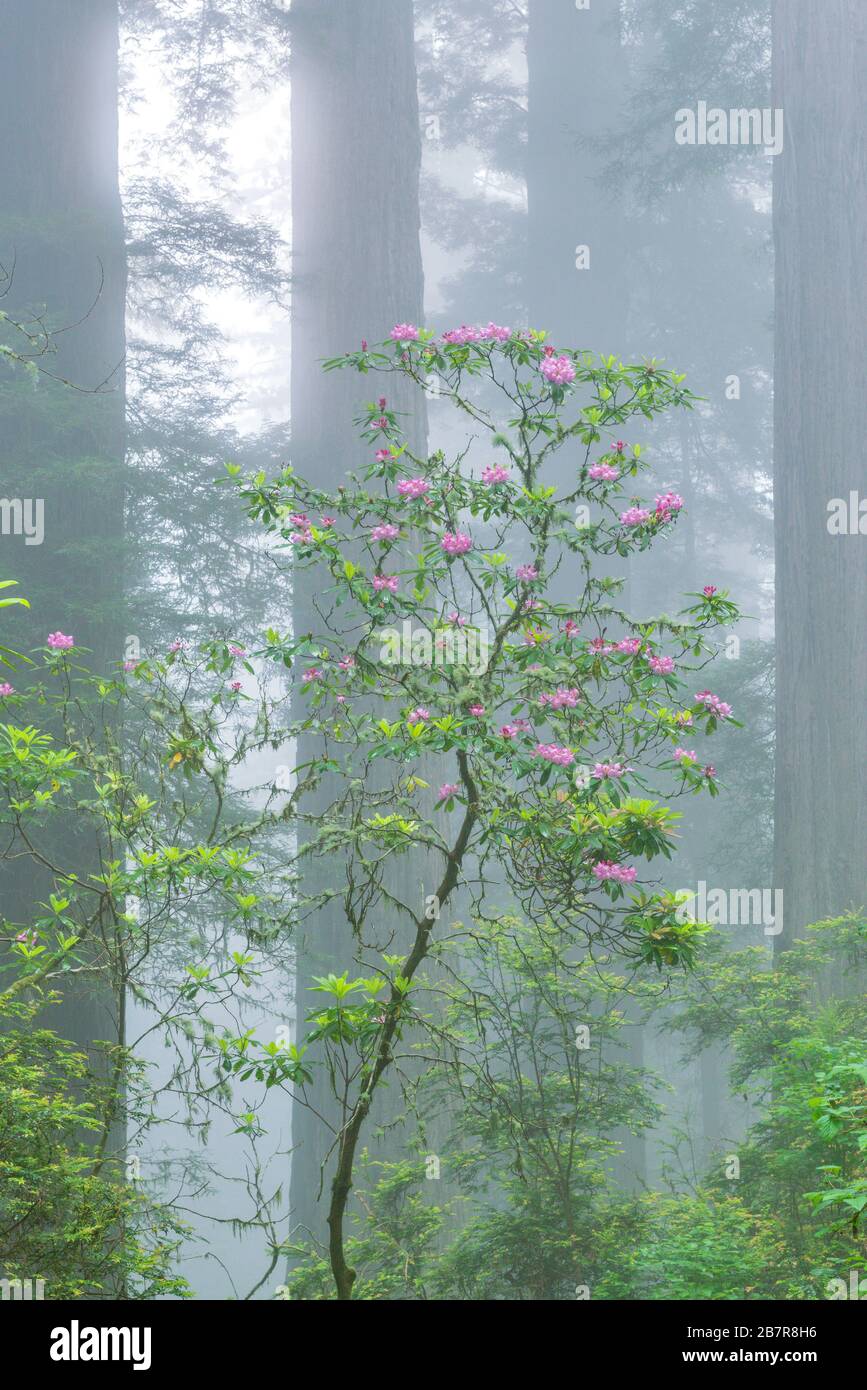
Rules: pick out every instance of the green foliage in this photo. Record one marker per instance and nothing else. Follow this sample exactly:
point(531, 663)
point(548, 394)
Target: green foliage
point(65, 1216)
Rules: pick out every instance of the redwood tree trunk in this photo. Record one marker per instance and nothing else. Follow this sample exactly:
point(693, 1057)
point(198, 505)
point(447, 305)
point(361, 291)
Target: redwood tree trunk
point(61, 228)
point(356, 152)
point(820, 217)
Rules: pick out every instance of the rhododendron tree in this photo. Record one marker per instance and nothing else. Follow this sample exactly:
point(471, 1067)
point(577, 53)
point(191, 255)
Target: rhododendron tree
point(553, 752)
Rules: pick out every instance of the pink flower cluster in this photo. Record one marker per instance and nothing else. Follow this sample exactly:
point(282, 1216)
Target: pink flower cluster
point(302, 535)
point(494, 333)
point(418, 716)
point(666, 504)
point(6, 689)
point(681, 753)
point(404, 333)
point(448, 789)
point(495, 473)
point(59, 641)
point(477, 710)
point(387, 532)
point(413, 487)
point(385, 582)
point(520, 726)
point(612, 770)
point(526, 572)
point(603, 472)
point(456, 543)
point(314, 674)
point(661, 665)
point(605, 870)
point(558, 370)
point(634, 516)
point(630, 646)
point(456, 620)
point(553, 753)
point(561, 699)
point(714, 704)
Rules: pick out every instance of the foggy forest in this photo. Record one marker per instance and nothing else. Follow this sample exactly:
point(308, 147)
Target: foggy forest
point(433, 520)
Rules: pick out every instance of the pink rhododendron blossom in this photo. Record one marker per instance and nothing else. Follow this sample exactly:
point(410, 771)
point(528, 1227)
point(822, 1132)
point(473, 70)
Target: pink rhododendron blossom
point(683, 719)
point(413, 487)
point(419, 716)
point(661, 665)
point(313, 674)
point(456, 543)
point(714, 704)
point(681, 753)
point(709, 590)
point(553, 753)
point(404, 333)
point(59, 641)
point(710, 772)
point(634, 516)
point(495, 332)
point(495, 473)
point(300, 520)
point(179, 645)
point(530, 605)
point(448, 789)
point(327, 521)
point(509, 731)
point(458, 337)
point(456, 620)
point(7, 689)
point(382, 455)
point(605, 871)
point(382, 402)
point(666, 504)
point(630, 645)
point(387, 532)
point(558, 370)
point(235, 685)
point(387, 582)
point(561, 698)
point(603, 472)
point(610, 770)
point(526, 572)
point(346, 663)
point(237, 651)
point(477, 710)
point(619, 446)
point(571, 629)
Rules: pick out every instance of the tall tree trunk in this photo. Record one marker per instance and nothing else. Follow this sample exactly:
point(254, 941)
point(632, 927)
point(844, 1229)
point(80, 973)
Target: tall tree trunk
point(61, 227)
point(820, 225)
point(576, 281)
point(356, 152)
point(574, 60)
